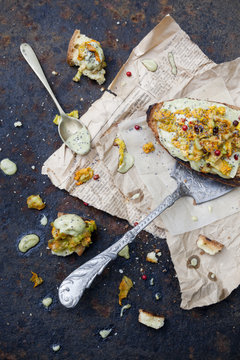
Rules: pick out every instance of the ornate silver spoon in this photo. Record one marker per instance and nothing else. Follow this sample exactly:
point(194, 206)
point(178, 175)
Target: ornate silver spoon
point(189, 183)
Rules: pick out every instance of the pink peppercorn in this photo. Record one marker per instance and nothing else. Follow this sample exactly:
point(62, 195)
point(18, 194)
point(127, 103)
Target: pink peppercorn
point(85, 203)
point(96, 177)
point(236, 156)
point(136, 223)
point(184, 127)
point(128, 73)
point(137, 127)
point(217, 152)
point(144, 277)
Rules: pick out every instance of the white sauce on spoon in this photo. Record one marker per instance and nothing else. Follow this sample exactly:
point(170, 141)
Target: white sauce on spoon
point(79, 142)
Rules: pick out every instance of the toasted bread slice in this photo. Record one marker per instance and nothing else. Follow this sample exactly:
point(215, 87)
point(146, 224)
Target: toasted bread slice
point(153, 124)
point(210, 247)
point(76, 40)
point(91, 63)
point(151, 320)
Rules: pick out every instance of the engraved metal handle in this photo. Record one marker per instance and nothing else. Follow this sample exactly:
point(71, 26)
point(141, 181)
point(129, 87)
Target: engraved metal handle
point(31, 58)
point(72, 288)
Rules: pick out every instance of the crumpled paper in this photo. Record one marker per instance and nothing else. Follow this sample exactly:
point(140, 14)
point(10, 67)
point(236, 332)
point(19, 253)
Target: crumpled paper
point(197, 76)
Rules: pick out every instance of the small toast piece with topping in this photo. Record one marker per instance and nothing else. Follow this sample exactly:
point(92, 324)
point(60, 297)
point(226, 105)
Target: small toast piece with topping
point(70, 234)
point(210, 247)
point(88, 55)
point(151, 320)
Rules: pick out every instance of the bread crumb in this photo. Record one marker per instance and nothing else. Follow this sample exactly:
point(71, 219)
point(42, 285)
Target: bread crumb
point(54, 72)
point(210, 208)
point(151, 320)
point(18, 124)
point(44, 220)
point(104, 333)
point(47, 302)
point(194, 218)
point(151, 257)
point(210, 247)
point(56, 347)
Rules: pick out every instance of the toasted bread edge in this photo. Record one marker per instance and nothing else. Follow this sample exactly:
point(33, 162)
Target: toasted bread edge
point(71, 47)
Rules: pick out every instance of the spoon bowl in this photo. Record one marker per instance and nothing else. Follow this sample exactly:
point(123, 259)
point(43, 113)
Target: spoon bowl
point(68, 126)
point(73, 132)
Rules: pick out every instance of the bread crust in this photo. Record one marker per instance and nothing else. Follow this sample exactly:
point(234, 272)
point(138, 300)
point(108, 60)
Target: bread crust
point(153, 126)
point(71, 47)
point(210, 246)
point(149, 319)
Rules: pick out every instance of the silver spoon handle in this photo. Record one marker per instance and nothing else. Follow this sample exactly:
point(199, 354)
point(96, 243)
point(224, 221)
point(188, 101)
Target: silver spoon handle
point(31, 58)
point(72, 288)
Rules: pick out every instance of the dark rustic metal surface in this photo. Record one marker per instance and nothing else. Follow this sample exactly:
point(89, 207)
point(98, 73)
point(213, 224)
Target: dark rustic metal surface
point(27, 330)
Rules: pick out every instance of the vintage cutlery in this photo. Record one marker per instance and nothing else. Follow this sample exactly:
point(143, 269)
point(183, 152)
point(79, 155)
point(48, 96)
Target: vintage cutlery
point(189, 183)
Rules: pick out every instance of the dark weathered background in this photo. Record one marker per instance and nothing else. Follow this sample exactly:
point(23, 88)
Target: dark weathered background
point(27, 330)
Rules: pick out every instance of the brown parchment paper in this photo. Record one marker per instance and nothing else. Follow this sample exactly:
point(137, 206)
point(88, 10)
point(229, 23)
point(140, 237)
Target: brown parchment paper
point(110, 115)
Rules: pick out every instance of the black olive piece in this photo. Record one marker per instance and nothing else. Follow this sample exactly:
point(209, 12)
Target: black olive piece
point(196, 129)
